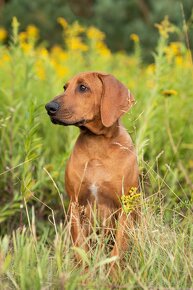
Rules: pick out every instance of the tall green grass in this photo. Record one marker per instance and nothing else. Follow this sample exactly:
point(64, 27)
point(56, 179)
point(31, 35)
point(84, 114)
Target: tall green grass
point(35, 247)
point(159, 256)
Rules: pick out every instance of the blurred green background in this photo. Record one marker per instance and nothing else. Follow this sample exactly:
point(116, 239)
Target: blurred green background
point(117, 18)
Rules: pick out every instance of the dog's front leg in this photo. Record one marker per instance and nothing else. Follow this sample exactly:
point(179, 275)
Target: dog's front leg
point(78, 231)
point(125, 224)
point(121, 237)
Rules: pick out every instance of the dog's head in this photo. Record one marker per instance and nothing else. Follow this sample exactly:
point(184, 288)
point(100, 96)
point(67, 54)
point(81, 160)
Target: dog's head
point(90, 97)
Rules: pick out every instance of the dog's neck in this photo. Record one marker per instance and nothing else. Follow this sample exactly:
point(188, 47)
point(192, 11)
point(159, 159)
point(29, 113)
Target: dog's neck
point(97, 128)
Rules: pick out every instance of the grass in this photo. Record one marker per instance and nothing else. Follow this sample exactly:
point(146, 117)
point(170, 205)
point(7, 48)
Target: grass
point(159, 255)
point(35, 245)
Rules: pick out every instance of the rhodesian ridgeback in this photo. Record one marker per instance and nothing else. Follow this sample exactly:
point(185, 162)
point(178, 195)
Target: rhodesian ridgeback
point(103, 163)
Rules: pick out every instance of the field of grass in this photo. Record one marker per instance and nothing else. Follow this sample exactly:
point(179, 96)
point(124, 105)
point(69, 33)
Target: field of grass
point(35, 246)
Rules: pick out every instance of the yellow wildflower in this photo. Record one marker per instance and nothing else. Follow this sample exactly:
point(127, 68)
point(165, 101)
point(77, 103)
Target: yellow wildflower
point(168, 93)
point(3, 34)
point(43, 52)
point(32, 32)
point(26, 47)
point(58, 53)
point(4, 58)
point(102, 49)
point(134, 37)
point(61, 70)
point(187, 61)
point(176, 48)
point(75, 43)
point(130, 201)
point(169, 53)
point(151, 69)
point(73, 37)
point(190, 164)
point(179, 60)
point(76, 28)
point(173, 50)
point(40, 70)
point(53, 62)
point(94, 33)
point(62, 22)
point(165, 27)
point(22, 37)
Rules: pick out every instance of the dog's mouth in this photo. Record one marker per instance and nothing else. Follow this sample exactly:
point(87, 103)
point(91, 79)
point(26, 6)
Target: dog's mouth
point(79, 123)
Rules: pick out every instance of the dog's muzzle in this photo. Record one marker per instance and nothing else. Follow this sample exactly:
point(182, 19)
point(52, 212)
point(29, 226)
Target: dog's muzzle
point(52, 108)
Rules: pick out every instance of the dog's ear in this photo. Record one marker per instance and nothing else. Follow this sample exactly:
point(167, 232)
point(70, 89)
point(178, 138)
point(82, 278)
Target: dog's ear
point(115, 101)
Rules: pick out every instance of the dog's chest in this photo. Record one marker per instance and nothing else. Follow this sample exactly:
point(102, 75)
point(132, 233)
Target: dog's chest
point(94, 188)
point(96, 182)
point(97, 175)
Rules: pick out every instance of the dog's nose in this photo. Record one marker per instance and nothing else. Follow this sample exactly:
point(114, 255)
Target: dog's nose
point(52, 107)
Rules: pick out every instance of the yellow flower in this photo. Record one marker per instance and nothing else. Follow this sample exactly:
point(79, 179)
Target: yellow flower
point(26, 47)
point(176, 48)
point(168, 93)
point(32, 32)
point(73, 37)
point(130, 201)
point(173, 50)
point(190, 164)
point(179, 60)
point(102, 49)
point(61, 70)
point(76, 28)
point(40, 70)
point(165, 27)
point(58, 53)
point(4, 58)
point(3, 34)
point(151, 69)
point(134, 37)
point(94, 33)
point(62, 22)
point(75, 43)
point(22, 37)
point(43, 52)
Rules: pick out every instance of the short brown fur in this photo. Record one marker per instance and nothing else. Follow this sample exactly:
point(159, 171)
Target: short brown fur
point(103, 163)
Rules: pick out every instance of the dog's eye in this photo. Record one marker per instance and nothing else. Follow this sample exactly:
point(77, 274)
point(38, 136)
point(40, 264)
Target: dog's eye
point(83, 88)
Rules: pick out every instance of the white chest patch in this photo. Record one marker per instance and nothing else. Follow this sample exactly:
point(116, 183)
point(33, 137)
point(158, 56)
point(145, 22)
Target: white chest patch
point(94, 189)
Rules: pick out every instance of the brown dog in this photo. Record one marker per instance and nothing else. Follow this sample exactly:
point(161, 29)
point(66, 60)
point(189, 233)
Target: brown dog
point(103, 164)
